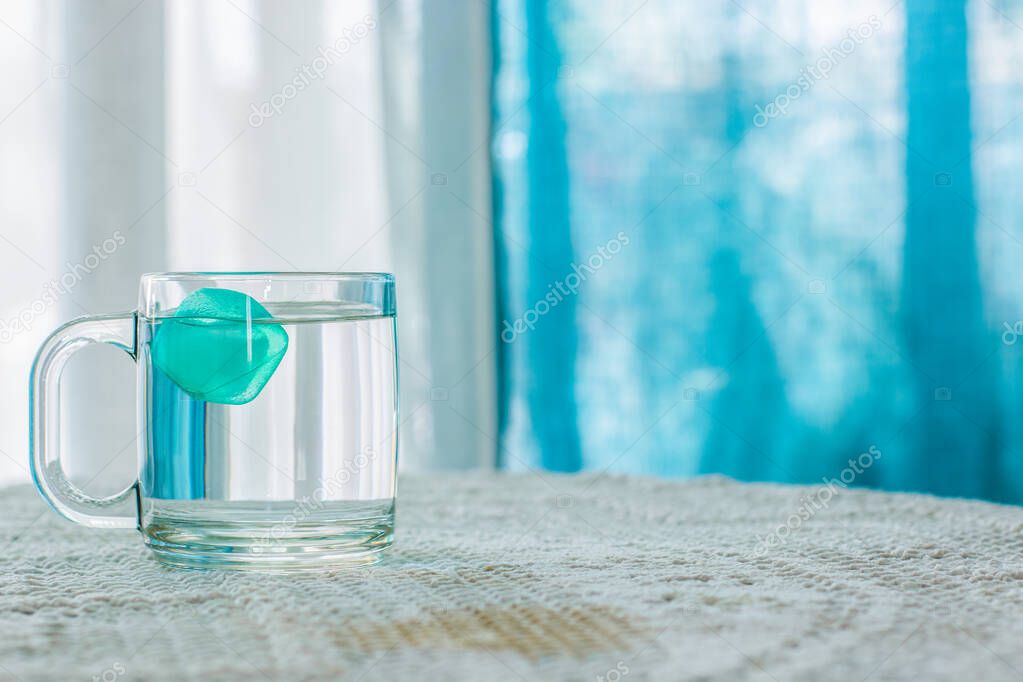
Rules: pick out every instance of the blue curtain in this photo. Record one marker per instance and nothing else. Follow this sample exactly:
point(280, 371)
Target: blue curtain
point(778, 241)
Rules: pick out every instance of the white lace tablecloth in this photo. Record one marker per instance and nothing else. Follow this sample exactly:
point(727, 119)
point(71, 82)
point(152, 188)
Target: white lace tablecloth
point(523, 577)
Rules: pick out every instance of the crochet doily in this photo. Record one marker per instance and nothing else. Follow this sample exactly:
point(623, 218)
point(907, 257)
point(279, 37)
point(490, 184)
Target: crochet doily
point(546, 577)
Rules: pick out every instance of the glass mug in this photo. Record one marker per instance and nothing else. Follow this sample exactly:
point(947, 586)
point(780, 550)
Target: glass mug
point(267, 418)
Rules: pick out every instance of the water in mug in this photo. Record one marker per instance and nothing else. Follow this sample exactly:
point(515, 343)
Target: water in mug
point(309, 461)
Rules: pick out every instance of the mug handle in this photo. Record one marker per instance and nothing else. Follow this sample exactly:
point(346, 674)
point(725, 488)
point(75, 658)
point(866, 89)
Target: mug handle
point(44, 420)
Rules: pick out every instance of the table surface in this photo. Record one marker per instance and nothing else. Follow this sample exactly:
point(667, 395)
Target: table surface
point(546, 577)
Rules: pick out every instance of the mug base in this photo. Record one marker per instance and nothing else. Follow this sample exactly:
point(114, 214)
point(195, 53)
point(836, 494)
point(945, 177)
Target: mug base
point(304, 560)
point(190, 536)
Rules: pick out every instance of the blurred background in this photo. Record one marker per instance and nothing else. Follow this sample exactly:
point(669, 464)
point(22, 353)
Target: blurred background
point(647, 236)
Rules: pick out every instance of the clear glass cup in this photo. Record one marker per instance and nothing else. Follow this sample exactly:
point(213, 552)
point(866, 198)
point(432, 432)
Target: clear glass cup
point(267, 414)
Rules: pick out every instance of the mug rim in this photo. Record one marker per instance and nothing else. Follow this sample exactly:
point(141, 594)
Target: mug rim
point(240, 276)
point(160, 292)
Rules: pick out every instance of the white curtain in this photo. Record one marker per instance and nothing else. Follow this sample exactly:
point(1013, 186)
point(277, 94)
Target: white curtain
point(248, 135)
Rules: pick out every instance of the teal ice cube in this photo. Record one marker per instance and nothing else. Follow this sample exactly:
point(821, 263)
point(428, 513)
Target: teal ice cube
point(217, 349)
